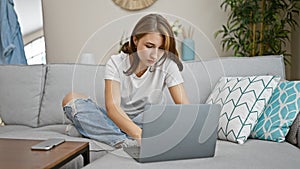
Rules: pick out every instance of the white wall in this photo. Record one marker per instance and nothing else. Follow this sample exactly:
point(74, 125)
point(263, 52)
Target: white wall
point(29, 15)
point(73, 27)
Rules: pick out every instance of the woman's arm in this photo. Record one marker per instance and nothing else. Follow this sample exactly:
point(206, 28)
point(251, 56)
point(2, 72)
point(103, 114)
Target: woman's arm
point(115, 112)
point(178, 94)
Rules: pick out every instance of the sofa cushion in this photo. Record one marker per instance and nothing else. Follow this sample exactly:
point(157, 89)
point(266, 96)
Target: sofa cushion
point(20, 93)
point(10, 128)
point(64, 78)
point(67, 129)
point(256, 154)
point(243, 100)
point(280, 112)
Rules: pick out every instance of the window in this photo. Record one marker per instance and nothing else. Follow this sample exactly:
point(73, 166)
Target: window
point(35, 51)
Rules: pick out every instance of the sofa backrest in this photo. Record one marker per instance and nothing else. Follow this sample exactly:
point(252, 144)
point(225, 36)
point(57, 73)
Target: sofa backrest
point(200, 78)
point(64, 78)
point(32, 95)
point(21, 89)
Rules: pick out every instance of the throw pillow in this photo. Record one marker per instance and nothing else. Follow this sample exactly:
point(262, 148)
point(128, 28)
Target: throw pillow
point(1, 122)
point(280, 113)
point(243, 100)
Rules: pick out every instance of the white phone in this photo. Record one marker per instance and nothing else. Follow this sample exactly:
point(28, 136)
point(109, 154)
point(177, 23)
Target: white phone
point(48, 144)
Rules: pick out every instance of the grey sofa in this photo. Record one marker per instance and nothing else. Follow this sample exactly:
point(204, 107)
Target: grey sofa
point(30, 106)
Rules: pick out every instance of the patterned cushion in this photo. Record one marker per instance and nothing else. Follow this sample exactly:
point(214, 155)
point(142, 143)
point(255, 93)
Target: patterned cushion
point(280, 112)
point(243, 100)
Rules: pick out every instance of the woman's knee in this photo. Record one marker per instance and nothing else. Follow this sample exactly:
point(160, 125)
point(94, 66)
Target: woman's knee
point(71, 96)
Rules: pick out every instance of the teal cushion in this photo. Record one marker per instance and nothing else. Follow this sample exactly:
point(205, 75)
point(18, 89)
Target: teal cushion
point(243, 99)
point(281, 111)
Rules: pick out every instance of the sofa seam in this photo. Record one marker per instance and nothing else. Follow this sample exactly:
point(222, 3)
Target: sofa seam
point(43, 85)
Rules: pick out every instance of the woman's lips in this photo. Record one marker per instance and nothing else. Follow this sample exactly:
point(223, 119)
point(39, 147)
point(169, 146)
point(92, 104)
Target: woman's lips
point(151, 61)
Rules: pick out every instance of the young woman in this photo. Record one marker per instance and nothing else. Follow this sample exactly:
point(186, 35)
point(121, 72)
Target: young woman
point(137, 76)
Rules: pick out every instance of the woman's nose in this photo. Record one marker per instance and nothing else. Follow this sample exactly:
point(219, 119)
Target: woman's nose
point(154, 53)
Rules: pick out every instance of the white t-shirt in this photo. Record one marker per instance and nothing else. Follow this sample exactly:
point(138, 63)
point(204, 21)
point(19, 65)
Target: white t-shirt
point(136, 92)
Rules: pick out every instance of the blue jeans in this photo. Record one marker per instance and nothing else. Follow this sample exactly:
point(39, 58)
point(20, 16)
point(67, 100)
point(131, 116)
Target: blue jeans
point(92, 121)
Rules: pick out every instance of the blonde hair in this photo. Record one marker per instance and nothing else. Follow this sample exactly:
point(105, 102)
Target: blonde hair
point(149, 24)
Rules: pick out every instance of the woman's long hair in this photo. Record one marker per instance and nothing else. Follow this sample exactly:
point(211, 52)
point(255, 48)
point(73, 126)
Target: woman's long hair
point(149, 24)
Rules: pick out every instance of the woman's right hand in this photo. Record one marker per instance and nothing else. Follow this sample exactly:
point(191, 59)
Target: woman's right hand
point(139, 138)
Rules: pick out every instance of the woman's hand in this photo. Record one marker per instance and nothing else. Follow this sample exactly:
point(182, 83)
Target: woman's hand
point(139, 137)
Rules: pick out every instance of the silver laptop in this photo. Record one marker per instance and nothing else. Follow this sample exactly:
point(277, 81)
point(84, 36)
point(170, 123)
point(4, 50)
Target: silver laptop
point(173, 132)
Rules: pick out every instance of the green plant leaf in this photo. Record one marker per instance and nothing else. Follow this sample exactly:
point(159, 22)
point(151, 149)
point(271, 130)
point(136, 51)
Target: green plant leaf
point(258, 26)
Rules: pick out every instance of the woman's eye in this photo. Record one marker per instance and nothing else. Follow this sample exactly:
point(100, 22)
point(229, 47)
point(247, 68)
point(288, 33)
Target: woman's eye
point(149, 46)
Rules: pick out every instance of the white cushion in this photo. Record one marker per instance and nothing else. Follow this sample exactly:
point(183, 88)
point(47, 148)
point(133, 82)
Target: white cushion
point(243, 100)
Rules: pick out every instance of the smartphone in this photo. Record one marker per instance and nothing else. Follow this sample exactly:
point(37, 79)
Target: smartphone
point(48, 144)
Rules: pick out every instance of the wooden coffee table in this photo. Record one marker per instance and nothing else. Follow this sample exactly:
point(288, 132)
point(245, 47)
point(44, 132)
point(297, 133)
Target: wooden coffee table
point(17, 153)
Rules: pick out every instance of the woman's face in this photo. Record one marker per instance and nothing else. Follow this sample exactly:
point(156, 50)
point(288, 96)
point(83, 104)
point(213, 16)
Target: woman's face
point(149, 48)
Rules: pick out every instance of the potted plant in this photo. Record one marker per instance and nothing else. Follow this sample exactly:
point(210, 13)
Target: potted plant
point(258, 27)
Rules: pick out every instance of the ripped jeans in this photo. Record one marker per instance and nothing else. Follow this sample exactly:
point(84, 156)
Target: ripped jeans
point(92, 121)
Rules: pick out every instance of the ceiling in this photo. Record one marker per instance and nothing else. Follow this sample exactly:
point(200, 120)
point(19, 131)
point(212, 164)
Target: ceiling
point(29, 15)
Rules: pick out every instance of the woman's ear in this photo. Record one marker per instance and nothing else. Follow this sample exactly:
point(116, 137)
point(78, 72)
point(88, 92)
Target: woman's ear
point(135, 40)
